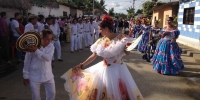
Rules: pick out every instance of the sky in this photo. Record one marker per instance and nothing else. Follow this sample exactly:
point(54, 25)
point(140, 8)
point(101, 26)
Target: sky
point(120, 6)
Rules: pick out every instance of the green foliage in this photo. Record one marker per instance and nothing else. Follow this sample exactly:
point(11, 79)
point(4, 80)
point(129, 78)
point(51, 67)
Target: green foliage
point(120, 15)
point(147, 6)
point(111, 12)
point(131, 12)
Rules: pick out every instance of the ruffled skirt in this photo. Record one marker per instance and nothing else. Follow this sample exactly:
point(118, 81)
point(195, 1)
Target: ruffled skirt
point(98, 82)
point(167, 58)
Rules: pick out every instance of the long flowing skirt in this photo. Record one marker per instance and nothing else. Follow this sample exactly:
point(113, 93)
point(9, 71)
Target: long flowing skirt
point(101, 83)
point(143, 44)
point(167, 58)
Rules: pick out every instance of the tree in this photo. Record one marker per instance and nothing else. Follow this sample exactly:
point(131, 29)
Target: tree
point(111, 12)
point(120, 15)
point(131, 12)
point(147, 6)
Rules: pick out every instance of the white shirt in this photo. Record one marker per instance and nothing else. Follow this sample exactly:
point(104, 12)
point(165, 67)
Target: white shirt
point(29, 27)
point(40, 27)
point(37, 65)
point(80, 28)
point(92, 27)
point(96, 26)
point(14, 25)
point(55, 29)
point(74, 28)
point(86, 27)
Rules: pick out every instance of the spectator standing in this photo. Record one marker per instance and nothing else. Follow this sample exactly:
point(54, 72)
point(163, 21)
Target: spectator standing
point(4, 37)
point(16, 33)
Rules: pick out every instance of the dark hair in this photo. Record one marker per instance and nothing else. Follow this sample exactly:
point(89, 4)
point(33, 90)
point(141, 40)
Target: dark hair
point(30, 19)
point(46, 32)
point(105, 24)
point(48, 18)
point(11, 19)
point(156, 21)
point(20, 20)
point(3, 14)
point(17, 14)
point(40, 17)
point(171, 18)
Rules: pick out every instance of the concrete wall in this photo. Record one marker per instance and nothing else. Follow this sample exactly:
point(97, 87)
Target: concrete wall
point(10, 13)
point(79, 13)
point(189, 34)
point(45, 11)
point(167, 13)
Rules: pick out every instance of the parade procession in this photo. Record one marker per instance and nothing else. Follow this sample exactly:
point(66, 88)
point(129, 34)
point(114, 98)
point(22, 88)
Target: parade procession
point(99, 50)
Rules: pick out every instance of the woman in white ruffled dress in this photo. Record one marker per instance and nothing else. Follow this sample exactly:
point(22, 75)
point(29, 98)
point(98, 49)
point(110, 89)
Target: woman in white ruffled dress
point(109, 79)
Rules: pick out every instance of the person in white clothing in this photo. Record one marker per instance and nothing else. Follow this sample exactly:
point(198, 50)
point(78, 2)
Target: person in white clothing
point(80, 34)
point(56, 42)
point(37, 68)
point(40, 23)
point(92, 32)
point(86, 27)
point(97, 21)
point(31, 26)
point(73, 36)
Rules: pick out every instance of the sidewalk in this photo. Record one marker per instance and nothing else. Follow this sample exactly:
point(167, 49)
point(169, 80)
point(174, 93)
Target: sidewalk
point(191, 52)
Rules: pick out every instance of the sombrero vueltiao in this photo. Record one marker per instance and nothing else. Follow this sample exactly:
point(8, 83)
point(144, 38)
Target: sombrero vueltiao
point(27, 39)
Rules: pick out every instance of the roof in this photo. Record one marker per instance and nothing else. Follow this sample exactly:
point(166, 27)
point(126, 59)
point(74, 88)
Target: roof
point(170, 4)
point(19, 4)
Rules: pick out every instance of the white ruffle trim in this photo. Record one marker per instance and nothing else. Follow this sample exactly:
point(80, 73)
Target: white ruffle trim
point(115, 48)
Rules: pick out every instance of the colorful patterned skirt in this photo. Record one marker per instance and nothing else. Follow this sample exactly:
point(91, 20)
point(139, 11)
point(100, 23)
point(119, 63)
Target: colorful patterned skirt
point(98, 82)
point(167, 58)
point(143, 44)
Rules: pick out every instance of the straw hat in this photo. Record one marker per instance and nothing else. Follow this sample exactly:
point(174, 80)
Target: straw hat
point(27, 39)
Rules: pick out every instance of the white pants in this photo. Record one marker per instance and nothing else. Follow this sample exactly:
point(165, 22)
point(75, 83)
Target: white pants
point(97, 35)
point(91, 38)
point(73, 42)
point(58, 49)
point(49, 88)
point(80, 40)
point(86, 38)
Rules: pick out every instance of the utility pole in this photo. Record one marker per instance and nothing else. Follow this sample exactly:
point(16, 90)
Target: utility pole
point(133, 6)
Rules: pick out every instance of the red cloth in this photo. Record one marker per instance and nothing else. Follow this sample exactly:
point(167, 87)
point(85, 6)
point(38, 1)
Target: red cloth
point(21, 27)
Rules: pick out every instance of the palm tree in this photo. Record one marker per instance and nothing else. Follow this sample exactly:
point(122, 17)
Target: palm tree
point(103, 6)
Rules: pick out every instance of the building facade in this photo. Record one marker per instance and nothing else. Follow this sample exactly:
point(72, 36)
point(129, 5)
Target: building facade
point(189, 23)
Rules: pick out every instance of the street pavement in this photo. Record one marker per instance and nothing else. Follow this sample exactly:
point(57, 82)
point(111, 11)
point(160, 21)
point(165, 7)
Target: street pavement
point(152, 85)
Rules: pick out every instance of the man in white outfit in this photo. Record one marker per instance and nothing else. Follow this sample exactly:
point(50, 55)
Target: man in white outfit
point(40, 23)
point(92, 32)
point(86, 27)
point(73, 36)
point(80, 34)
point(96, 29)
point(37, 68)
point(31, 25)
point(56, 42)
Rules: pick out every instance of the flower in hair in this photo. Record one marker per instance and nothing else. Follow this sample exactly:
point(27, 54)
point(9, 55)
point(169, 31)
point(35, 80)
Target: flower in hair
point(107, 18)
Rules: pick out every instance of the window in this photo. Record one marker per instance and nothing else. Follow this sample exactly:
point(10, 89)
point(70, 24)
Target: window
point(64, 14)
point(155, 18)
point(167, 16)
point(188, 17)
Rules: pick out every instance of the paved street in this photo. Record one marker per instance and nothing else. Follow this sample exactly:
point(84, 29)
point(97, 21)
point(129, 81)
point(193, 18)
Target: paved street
point(152, 85)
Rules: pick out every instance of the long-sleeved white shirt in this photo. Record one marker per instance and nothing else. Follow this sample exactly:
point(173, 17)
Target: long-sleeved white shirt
point(55, 29)
point(86, 27)
point(74, 29)
point(29, 27)
point(96, 26)
point(40, 27)
point(37, 65)
point(92, 28)
point(80, 28)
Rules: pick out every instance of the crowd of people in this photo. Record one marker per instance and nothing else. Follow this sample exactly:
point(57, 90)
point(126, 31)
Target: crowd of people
point(157, 44)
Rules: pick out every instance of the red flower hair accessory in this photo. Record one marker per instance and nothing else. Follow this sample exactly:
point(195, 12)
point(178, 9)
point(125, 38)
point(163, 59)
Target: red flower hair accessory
point(107, 18)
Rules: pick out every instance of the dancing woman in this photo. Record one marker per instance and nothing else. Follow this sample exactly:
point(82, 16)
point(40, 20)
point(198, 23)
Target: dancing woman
point(137, 28)
point(154, 37)
point(108, 79)
point(143, 44)
point(166, 59)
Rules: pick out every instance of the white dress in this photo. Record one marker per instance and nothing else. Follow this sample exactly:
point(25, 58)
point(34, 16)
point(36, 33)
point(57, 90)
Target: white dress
point(109, 79)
